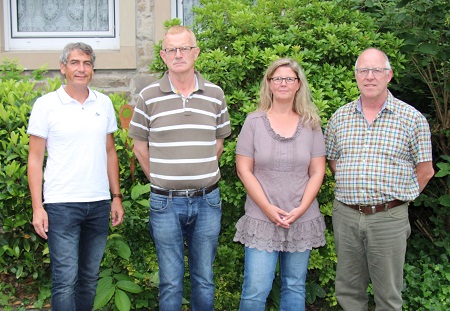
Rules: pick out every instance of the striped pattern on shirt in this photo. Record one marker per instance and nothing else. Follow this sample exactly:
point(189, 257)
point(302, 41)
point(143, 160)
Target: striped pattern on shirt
point(376, 163)
point(181, 132)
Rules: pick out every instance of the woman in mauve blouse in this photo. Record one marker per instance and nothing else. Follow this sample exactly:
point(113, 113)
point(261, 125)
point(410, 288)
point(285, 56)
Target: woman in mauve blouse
point(280, 159)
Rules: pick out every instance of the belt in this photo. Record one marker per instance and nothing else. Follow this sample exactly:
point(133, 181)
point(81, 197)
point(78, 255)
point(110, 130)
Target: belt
point(372, 209)
point(185, 193)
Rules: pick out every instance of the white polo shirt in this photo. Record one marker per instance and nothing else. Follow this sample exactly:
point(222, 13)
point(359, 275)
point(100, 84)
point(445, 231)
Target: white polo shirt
point(76, 167)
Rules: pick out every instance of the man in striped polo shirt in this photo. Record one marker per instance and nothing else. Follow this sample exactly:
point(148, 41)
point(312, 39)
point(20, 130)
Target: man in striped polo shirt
point(178, 126)
point(379, 149)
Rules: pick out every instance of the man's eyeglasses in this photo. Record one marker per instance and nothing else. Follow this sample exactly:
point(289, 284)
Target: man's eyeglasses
point(375, 71)
point(183, 50)
point(279, 80)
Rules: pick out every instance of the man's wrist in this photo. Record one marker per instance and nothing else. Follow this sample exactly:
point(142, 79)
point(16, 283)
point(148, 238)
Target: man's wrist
point(117, 195)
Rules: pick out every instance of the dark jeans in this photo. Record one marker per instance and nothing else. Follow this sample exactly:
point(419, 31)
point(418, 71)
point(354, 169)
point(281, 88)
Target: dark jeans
point(195, 220)
point(76, 240)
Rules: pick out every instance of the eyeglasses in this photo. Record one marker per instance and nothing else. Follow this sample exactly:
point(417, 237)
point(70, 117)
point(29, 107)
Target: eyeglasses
point(183, 50)
point(279, 80)
point(375, 71)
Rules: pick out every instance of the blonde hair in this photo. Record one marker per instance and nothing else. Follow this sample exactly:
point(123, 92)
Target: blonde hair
point(303, 102)
point(179, 29)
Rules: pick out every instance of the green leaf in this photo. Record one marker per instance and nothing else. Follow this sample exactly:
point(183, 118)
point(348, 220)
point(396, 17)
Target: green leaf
point(19, 271)
point(123, 250)
point(138, 190)
point(445, 200)
point(122, 300)
point(122, 277)
point(143, 202)
point(26, 245)
point(105, 291)
point(129, 286)
point(428, 48)
point(105, 273)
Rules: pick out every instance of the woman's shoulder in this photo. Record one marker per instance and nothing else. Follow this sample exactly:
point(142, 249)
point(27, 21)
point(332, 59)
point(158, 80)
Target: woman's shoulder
point(255, 115)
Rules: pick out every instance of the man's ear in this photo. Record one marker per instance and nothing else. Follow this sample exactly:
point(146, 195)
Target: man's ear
point(62, 68)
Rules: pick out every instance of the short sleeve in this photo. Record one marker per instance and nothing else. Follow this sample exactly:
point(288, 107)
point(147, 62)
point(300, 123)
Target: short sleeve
point(245, 143)
point(331, 151)
point(318, 148)
point(38, 122)
point(420, 145)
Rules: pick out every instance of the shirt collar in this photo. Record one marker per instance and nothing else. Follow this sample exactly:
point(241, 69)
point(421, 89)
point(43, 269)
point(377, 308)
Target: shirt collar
point(66, 99)
point(166, 86)
point(388, 104)
point(176, 91)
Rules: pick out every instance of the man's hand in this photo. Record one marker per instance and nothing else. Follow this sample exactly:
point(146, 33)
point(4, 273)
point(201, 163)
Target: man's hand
point(117, 212)
point(40, 222)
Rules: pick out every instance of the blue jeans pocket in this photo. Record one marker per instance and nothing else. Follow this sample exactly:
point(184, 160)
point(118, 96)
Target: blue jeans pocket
point(158, 203)
point(213, 199)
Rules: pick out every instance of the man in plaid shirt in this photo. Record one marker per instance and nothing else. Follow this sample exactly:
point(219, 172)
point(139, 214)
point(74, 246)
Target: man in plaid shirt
point(379, 150)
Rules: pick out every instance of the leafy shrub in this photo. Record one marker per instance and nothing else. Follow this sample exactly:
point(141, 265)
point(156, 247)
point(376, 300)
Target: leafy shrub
point(18, 241)
point(427, 275)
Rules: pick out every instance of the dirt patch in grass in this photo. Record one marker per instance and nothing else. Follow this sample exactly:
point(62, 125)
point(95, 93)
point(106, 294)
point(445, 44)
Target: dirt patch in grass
point(21, 294)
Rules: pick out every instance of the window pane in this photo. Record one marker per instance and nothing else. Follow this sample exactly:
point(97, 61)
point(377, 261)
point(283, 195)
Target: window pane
point(183, 10)
point(51, 24)
point(188, 15)
point(53, 18)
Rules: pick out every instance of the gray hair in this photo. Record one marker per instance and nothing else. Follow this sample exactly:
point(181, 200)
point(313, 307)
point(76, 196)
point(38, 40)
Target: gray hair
point(83, 47)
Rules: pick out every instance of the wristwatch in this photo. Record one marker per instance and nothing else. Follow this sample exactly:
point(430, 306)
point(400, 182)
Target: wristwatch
point(117, 195)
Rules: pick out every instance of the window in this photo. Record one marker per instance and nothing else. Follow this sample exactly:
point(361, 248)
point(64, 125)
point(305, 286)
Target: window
point(183, 10)
point(51, 24)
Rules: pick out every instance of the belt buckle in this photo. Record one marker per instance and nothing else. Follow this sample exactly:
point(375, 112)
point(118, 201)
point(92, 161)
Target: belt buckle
point(372, 207)
point(359, 209)
point(191, 193)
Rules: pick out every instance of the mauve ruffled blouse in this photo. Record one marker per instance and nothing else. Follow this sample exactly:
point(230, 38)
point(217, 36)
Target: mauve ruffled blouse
point(281, 166)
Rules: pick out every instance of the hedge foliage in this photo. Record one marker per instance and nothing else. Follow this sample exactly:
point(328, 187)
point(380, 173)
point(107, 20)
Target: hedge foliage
point(238, 40)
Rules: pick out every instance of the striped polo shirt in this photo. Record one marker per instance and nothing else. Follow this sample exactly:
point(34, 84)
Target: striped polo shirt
point(376, 163)
point(181, 132)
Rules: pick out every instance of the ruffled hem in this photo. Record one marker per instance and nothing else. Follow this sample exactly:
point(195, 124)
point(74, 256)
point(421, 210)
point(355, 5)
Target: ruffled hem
point(263, 235)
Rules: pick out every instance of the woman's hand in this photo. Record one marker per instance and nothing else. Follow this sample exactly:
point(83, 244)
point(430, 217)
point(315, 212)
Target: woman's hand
point(277, 216)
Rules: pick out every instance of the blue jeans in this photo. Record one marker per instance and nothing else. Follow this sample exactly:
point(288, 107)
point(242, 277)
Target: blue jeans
point(196, 220)
point(77, 234)
point(370, 247)
point(259, 274)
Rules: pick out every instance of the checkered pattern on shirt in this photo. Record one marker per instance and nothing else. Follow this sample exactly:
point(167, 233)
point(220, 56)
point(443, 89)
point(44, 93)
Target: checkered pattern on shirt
point(376, 163)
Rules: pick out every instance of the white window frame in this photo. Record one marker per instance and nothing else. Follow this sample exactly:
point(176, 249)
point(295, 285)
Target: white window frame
point(20, 41)
point(176, 10)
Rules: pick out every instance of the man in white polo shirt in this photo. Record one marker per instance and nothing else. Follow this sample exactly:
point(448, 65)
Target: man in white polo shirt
point(75, 125)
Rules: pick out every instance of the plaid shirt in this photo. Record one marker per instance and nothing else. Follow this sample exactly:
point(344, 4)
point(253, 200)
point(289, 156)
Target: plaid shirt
point(376, 163)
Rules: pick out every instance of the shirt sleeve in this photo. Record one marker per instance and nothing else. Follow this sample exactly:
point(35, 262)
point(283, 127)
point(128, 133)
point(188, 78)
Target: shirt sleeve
point(139, 124)
point(38, 124)
point(420, 144)
point(112, 119)
point(223, 121)
point(330, 141)
point(318, 148)
point(245, 143)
